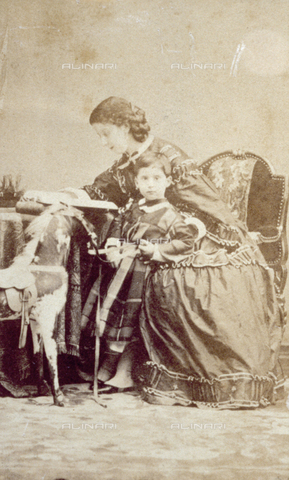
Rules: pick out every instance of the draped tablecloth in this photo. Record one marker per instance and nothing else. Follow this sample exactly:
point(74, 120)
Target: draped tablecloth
point(15, 363)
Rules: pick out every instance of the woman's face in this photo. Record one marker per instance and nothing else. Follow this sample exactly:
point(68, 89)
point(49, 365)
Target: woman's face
point(113, 137)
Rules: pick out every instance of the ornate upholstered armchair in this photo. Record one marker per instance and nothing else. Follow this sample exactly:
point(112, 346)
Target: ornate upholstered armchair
point(258, 197)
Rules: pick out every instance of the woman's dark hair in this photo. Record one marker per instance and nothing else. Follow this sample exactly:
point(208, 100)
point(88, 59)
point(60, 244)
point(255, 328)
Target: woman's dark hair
point(119, 111)
point(153, 159)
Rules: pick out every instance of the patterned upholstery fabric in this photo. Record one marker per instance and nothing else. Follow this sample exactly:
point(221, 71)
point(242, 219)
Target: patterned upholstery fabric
point(232, 180)
point(259, 198)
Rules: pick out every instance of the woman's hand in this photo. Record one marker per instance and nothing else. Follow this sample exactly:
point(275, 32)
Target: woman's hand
point(31, 195)
point(147, 248)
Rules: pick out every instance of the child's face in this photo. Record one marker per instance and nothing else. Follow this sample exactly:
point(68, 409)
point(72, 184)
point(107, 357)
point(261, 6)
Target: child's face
point(152, 182)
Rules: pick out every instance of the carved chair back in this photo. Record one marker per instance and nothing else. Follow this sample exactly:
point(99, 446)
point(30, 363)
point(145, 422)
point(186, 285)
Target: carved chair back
point(258, 197)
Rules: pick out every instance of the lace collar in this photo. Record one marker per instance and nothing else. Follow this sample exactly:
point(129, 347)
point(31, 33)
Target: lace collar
point(153, 206)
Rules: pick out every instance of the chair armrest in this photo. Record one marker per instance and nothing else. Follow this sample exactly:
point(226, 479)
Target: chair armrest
point(259, 238)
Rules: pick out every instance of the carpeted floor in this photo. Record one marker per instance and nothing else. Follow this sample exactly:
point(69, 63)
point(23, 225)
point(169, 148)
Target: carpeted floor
point(131, 440)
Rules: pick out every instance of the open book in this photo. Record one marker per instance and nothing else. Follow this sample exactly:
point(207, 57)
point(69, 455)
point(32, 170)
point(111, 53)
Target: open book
point(70, 196)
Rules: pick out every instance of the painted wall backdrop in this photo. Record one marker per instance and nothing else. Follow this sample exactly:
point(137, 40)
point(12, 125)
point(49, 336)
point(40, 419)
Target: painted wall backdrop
point(235, 98)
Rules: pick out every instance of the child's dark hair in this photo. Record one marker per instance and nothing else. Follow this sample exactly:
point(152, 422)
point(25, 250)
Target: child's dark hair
point(153, 159)
point(119, 111)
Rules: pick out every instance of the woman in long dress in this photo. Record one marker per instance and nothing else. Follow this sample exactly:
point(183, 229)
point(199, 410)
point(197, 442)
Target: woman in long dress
point(210, 324)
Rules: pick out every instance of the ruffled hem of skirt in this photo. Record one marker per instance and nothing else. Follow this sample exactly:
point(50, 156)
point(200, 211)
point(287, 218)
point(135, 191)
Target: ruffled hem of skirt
point(228, 391)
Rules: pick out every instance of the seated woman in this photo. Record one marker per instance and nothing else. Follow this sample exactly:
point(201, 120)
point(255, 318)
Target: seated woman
point(210, 323)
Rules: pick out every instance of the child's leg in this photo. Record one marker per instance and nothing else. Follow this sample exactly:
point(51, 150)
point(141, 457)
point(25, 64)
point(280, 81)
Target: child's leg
point(111, 357)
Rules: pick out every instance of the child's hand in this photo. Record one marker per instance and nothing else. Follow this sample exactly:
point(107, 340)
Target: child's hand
point(147, 248)
point(114, 256)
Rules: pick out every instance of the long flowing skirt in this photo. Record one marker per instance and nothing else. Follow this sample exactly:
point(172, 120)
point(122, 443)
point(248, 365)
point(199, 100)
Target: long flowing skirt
point(212, 333)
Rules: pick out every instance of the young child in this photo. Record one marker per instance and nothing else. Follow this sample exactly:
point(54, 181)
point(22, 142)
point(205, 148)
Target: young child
point(148, 232)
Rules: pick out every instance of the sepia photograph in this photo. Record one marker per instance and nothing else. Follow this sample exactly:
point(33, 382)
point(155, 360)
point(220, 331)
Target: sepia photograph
point(144, 186)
